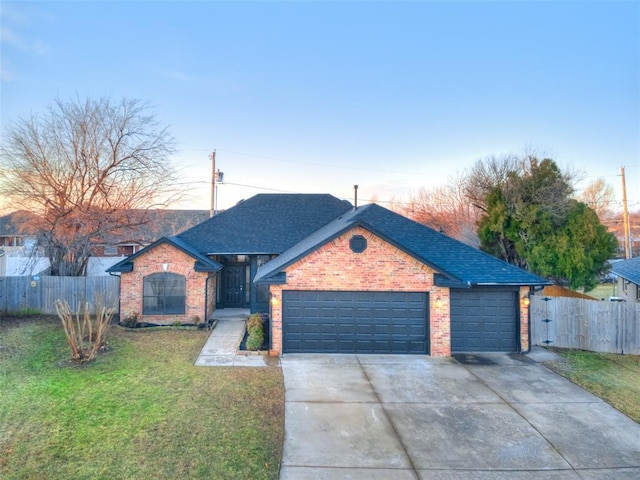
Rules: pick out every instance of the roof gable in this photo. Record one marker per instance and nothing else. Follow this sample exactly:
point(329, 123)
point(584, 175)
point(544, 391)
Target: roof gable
point(202, 263)
point(265, 224)
point(457, 263)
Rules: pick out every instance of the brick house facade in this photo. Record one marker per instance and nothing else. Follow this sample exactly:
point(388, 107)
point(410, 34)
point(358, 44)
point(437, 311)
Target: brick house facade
point(334, 279)
point(381, 267)
point(167, 258)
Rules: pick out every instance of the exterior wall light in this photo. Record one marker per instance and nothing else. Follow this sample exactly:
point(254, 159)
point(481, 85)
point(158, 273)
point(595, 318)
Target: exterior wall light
point(525, 301)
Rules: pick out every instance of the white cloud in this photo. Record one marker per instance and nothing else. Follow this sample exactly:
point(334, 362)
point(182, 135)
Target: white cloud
point(11, 38)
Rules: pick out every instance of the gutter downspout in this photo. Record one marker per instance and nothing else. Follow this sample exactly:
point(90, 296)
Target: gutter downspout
point(206, 299)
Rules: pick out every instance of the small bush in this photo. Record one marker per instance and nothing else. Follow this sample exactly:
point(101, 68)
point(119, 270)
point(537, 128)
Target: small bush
point(131, 320)
point(255, 338)
point(255, 320)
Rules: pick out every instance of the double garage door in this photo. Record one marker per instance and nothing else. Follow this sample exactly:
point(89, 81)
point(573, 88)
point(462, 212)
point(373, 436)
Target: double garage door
point(482, 320)
point(354, 322)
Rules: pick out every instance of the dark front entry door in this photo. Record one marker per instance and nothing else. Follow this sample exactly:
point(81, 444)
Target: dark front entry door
point(233, 280)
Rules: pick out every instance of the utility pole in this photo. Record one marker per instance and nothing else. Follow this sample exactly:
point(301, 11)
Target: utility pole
point(628, 247)
point(213, 183)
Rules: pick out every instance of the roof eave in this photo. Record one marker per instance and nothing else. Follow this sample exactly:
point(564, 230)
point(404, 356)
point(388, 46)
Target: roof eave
point(279, 278)
point(199, 266)
point(120, 267)
point(511, 284)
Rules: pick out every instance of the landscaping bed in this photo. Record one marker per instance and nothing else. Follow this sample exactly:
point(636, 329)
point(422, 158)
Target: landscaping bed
point(246, 344)
point(141, 409)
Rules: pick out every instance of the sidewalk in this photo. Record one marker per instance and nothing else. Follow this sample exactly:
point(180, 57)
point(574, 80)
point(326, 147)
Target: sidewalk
point(221, 348)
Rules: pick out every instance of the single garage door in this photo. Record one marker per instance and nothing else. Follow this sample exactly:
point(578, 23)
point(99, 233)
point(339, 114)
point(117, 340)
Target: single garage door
point(354, 322)
point(484, 320)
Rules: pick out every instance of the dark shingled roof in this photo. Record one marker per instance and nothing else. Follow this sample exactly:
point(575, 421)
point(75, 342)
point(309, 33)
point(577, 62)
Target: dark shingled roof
point(264, 224)
point(459, 265)
point(18, 223)
point(202, 263)
point(628, 269)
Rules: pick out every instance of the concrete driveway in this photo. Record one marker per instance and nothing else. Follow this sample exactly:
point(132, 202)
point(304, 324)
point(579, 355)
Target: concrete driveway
point(494, 416)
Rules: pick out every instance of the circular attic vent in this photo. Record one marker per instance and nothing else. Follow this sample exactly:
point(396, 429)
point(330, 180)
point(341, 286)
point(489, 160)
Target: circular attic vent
point(358, 244)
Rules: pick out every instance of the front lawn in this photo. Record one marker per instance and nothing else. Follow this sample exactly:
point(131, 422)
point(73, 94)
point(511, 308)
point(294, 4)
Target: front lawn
point(612, 377)
point(140, 410)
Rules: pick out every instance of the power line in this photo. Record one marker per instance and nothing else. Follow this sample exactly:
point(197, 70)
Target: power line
point(344, 167)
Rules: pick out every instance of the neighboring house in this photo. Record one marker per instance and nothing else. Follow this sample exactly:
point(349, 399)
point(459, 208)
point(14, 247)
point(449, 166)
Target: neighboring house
point(19, 254)
point(146, 227)
point(19, 238)
point(628, 272)
point(15, 231)
point(334, 279)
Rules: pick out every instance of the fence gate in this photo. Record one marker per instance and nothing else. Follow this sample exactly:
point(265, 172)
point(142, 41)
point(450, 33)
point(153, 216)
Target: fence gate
point(608, 327)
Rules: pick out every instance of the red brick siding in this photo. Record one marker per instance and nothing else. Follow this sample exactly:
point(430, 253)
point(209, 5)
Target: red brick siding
point(524, 319)
point(177, 262)
point(381, 267)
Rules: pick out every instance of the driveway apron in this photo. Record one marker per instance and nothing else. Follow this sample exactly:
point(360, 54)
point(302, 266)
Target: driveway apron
point(489, 416)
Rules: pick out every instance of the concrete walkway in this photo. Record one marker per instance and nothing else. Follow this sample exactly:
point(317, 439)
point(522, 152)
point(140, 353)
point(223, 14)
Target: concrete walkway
point(221, 348)
point(484, 417)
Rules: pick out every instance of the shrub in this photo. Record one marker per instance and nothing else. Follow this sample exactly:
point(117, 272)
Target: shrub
point(84, 337)
point(255, 338)
point(131, 320)
point(255, 320)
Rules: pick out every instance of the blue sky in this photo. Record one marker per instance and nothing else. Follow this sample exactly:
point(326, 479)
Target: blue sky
point(319, 96)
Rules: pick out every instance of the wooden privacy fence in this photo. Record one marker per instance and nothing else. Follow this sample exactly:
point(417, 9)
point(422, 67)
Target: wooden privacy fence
point(608, 327)
point(38, 294)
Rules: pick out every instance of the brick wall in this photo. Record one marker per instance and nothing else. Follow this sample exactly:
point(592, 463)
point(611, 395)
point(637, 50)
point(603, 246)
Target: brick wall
point(177, 262)
point(524, 319)
point(381, 267)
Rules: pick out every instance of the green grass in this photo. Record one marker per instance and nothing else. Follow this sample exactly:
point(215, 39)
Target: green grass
point(602, 291)
point(140, 410)
point(614, 378)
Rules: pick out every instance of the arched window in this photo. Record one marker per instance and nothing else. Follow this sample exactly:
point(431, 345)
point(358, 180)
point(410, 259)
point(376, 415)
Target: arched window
point(163, 294)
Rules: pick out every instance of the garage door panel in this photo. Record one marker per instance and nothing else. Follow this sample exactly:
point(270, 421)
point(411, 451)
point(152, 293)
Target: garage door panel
point(355, 322)
point(484, 320)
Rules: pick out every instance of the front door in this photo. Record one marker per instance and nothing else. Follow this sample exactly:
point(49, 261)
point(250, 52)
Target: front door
point(233, 281)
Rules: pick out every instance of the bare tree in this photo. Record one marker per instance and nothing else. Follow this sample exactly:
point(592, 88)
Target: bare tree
point(484, 176)
point(446, 209)
point(599, 196)
point(80, 167)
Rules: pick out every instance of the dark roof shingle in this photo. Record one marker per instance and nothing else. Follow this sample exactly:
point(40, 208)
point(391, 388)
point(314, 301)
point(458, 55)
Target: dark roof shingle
point(458, 263)
point(264, 224)
point(628, 269)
